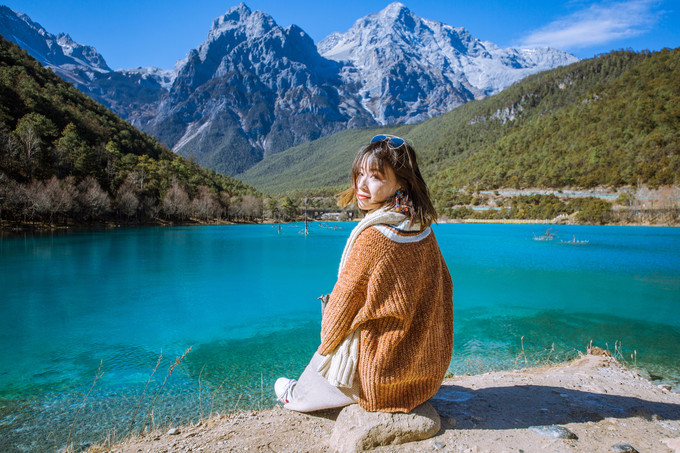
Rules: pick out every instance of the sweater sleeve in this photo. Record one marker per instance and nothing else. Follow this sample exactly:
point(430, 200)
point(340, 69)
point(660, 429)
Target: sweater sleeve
point(349, 294)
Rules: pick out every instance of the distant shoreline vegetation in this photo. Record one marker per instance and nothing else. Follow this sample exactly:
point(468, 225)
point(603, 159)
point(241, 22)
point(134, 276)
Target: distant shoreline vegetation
point(627, 206)
point(56, 204)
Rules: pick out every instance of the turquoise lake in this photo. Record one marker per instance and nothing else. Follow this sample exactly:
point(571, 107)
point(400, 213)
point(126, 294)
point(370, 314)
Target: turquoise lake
point(244, 298)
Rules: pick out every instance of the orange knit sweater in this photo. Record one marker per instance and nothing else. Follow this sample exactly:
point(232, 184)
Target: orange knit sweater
point(397, 288)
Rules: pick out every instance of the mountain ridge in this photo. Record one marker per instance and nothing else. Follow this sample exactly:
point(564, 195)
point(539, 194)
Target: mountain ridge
point(50, 50)
point(396, 44)
point(608, 121)
point(250, 89)
point(254, 88)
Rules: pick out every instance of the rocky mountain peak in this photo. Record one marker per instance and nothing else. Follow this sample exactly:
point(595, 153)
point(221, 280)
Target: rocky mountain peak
point(51, 50)
point(237, 28)
point(252, 43)
point(411, 68)
point(85, 55)
point(240, 17)
point(64, 39)
point(255, 86)
point(234, 15)
point(394, 10)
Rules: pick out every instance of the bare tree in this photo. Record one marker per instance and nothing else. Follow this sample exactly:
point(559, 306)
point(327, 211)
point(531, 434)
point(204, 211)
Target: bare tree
point(35, 201)
point(236, 207)
point(251, 207)
point(176, 202)
point(205, 205)
point(127, 198)
point(225, 202)
point(93, 200)
point(60, 197)
point(31, 145)
point(45, 200)
point(12, 196)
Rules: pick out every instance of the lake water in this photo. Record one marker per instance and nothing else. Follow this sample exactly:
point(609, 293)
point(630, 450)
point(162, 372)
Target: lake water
point(244, 298)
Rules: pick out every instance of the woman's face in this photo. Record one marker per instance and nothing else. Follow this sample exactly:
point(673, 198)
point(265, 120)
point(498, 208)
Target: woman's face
point(373, 188)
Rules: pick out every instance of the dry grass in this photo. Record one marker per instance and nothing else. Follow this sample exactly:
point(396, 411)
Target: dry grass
point(171, 368)
point(539, 357)
point(139, 403)
point(99, 374)
point(113, 437)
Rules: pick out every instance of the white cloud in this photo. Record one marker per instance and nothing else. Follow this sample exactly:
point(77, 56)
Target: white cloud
point(599, 24)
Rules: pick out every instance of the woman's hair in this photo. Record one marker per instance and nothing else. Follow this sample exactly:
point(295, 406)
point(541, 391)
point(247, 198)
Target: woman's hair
point(402, 160)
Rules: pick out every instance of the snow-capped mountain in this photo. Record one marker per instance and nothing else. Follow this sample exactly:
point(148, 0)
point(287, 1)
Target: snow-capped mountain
point(163, 77)
point(255, 88)
point(411, 69)
point(131, 93)
point(74, 62)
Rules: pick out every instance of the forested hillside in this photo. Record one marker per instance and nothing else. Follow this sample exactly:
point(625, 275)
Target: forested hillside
point(63, 157)
point(610, 121)
point(613, 120)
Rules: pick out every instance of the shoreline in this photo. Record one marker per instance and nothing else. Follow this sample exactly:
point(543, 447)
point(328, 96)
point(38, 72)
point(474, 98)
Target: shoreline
point(595, 398)
point(547, 222)
point(21, 229)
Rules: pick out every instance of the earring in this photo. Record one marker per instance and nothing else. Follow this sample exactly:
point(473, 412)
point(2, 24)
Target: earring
point(399, 203)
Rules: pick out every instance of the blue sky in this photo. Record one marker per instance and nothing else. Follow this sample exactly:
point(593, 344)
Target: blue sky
point(157, 33)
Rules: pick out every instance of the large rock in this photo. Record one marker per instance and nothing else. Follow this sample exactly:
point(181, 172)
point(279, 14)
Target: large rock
point(358, 430)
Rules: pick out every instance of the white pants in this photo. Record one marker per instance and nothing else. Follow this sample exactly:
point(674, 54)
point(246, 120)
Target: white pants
point(313, 392)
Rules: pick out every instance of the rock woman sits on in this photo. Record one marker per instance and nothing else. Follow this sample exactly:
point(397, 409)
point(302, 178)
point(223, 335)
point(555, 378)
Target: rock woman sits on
point(387, 330)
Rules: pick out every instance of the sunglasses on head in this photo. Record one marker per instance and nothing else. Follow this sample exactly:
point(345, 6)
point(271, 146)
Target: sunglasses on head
point(392, 141)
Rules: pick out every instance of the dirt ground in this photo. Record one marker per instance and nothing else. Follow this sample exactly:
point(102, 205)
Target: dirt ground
point(604, 406)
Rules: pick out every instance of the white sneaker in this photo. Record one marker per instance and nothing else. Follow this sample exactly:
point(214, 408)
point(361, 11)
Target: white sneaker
point(283, 387)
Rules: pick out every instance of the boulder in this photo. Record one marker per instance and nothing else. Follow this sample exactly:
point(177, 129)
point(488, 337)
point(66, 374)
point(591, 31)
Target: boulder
point(358, 430)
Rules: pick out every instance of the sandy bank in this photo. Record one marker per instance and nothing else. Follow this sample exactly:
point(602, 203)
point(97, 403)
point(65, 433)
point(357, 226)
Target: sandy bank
point(603, 404)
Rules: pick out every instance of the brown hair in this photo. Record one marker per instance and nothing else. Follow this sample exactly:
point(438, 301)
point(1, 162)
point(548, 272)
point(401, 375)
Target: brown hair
point(402, 160)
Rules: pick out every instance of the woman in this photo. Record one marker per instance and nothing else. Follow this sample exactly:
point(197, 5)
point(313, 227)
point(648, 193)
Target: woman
point(387, 330)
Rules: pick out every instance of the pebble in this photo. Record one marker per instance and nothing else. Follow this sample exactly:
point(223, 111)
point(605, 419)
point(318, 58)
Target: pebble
point(623, 448)
point(665, 388)
point(554, 431)
point(438, 446)
point(173, 431)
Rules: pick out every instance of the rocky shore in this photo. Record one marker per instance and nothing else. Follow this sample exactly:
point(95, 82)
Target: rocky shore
point(592, 404)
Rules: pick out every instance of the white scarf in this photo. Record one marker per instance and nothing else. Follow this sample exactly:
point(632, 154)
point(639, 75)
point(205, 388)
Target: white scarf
point(339, 366)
